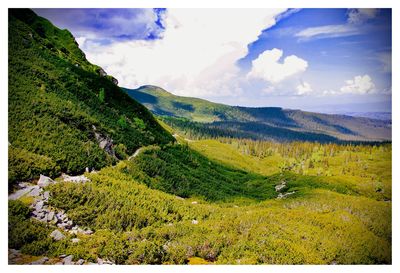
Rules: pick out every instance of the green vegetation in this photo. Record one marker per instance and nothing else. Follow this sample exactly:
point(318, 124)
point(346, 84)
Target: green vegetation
point(198, 201)
point(200, 118)
point(58, 102)
point(324, 222)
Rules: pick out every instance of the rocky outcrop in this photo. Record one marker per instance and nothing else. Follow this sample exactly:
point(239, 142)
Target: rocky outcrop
point(280, 187)
point(75, 179)
point(105, 142)
point(44, 181)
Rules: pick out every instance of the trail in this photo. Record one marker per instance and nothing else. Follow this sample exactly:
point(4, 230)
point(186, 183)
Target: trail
point(137, 152)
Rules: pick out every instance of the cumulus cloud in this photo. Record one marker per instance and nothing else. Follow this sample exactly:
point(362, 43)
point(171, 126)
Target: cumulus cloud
point(359, 85)
point(359, 16)
point(268, 66)
point(196, 56)
point(303, 88)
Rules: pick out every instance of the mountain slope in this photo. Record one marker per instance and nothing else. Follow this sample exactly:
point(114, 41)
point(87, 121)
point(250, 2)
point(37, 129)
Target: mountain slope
point(259, 123)
point(64, 112)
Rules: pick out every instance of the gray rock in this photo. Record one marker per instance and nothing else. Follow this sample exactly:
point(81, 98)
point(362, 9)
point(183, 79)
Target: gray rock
point(46, 195)
point(35, 191)
point(99, 261)
point(68, 259)
point(80, 262)
point(59, 263)
point(57, 235)
point(44, 181)
point(50, 216)
point(88, 232)
point(40, 261)
point(75, 240)
point(18, 194)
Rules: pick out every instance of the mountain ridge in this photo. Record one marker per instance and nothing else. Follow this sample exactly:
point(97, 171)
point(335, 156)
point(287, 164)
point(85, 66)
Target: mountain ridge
point(196, 110)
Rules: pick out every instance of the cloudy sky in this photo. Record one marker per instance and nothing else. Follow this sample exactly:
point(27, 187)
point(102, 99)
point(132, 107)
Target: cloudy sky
point(312, 59)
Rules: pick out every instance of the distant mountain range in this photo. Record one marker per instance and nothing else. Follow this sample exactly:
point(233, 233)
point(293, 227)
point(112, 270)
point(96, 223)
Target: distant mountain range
point(272, 123)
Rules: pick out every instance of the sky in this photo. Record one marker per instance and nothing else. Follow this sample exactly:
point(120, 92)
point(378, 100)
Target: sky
point(324, 60)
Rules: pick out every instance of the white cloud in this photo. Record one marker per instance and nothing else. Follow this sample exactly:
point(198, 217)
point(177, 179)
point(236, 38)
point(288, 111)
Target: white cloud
point(359, 16)
point(196, 56)
point(303, 88)
point(329, 31)
point(359, 85)
point(268, 66)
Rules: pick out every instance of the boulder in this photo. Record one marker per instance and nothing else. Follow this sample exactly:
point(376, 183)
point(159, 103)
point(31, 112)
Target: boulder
point(46, 195)
point(50, 216)
point(35, 191)
point(44, 181)
point(39, 206)
point(57, 235)
point(68, 259)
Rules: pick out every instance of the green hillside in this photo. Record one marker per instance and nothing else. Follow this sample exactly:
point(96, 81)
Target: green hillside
point(61, 106)
point(208, 119)
point(232, 199)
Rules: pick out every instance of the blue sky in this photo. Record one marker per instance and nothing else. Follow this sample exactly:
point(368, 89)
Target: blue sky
point(311, 59)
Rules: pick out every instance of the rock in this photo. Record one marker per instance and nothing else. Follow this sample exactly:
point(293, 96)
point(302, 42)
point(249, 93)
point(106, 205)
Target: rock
point(35, 191)
point(80, 262)
point(59, 263)
point(62, 256)
point(75, 240)
point(40, 215)
point(105, 142)
point(68, 259)
point(88, 232)
point(40, 261)
point(281, 196)
point(18, 194)
point(50, 216)
point(99, 261)
point(76, 179)
point(280, 186)
point(114, 80)
point(75, 228)
point(44, 181)
point(101, 72)
point(46, 194)
point(57, 235)
point(195, 222)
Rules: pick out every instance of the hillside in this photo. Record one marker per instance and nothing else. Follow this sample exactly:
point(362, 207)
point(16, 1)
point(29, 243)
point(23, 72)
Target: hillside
point(270, 123)
point(156, 197)
point(66, 114)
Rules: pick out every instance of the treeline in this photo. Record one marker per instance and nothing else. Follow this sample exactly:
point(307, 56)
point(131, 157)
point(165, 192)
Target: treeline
point(248, 130)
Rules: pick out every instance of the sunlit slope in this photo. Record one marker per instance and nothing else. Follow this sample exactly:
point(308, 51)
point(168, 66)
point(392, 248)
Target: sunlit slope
point(61, 106)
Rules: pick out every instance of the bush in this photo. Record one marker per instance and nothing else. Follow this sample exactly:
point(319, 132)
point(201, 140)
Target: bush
point(23, 165)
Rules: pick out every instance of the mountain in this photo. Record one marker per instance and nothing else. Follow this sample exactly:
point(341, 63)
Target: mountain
point(66, 114)
point(271, 123)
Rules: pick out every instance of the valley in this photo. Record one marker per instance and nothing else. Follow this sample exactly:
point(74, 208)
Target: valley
point(94, 177)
